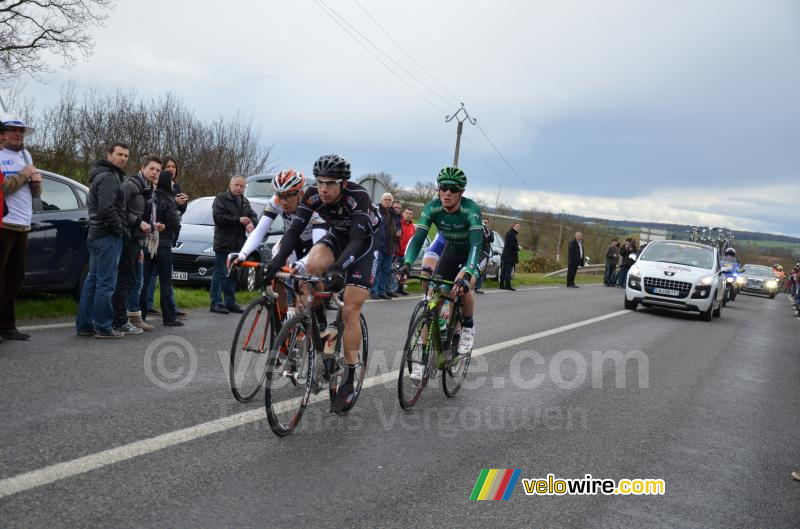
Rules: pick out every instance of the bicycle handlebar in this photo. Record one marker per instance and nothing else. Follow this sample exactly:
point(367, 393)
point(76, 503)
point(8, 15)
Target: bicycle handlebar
point(337, 300)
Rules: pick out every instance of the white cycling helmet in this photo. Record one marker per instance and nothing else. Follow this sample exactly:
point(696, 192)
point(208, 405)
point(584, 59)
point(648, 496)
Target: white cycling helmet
point(730, 251)
point(287, 181)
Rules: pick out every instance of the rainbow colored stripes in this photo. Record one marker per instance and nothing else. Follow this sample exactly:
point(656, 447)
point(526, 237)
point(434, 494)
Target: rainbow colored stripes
point(495, 484)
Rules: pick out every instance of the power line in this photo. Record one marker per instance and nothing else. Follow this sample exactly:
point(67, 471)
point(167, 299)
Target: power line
point(378, 48)
point(341, 22)
point(485, 160)
point(503, 157)
point(386, 32)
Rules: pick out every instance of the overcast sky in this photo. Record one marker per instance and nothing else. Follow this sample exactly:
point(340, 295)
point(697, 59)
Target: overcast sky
point(679, 111)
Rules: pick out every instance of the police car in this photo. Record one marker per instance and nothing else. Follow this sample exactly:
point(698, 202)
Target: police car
point(677, 275)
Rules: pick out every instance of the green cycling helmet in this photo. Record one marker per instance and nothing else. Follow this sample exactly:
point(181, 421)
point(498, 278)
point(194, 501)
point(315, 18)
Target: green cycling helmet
point(452, 176)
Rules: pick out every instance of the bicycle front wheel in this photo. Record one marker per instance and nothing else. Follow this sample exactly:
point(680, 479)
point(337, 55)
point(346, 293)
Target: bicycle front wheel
point(249, 350)
point(416, 365)
point(455, 370)
point(289, 375)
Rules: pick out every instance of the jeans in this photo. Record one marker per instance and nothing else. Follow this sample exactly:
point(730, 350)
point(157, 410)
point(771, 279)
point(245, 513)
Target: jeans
point(126, 279)
point(221, 285)
point(151, 292)
point(610, 278)
point(394, 286)
point(94, 309)
point(135, 292)
point(162, 262)
point(622, 275)
point(384, 270)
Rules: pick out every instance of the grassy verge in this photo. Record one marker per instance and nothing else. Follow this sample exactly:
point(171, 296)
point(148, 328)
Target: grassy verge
point(40, 306)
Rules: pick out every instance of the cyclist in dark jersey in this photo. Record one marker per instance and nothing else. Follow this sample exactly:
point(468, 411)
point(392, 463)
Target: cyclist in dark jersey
point(346, 255)
point(458, 220)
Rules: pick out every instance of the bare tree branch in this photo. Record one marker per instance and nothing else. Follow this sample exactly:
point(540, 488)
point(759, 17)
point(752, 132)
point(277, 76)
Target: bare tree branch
point(30, 28)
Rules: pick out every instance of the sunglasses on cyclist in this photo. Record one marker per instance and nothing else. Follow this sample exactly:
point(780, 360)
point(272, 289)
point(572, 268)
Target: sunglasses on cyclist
point(452, 189)
point(328, 183)
point(284, 196)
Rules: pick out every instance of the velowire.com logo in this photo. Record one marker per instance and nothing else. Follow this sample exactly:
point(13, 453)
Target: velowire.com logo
point(495, 484)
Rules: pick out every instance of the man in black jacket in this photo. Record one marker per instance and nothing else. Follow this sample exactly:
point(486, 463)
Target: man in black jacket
point(626, 262)
point(106, 205)
point(612, 258)
point(233, 220)
point(575, 258)
point(134, 189)
point(510, 257)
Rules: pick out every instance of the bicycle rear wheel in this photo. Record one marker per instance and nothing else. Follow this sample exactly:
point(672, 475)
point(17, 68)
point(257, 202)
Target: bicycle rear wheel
point(361, 365)
point(250, 348)
point(419, 350)
point(455, 370)
point(289, 375)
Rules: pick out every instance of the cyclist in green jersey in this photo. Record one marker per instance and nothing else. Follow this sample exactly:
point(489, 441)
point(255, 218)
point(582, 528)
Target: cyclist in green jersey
point(458, 219)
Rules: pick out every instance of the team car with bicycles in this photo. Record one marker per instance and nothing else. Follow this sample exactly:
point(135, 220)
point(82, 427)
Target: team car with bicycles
point(677, 275)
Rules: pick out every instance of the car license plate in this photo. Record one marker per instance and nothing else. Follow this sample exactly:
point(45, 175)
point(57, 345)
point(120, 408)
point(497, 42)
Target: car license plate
point(667, 292)
point(180, 276)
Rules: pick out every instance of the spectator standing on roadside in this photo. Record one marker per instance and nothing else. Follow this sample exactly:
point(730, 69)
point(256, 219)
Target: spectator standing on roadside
point(106, 205)
point(138, 195)
point(509, 257)
point(575, 258)
point(386, 252)
point(167, 221)
point(21, 184)
point(626, 262)
point(397, 258)
point(612, 258)
point(233, 219)
point(408, 229)
point(488, 239)
point(181, 200)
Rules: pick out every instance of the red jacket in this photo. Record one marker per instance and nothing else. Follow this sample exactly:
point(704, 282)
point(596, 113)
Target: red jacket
point(408, 233)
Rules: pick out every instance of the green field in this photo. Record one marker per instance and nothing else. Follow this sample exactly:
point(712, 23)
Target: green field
point(40, 306)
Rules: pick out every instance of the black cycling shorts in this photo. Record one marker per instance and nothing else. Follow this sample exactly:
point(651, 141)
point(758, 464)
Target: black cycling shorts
point(361, 273)
point(451, 263)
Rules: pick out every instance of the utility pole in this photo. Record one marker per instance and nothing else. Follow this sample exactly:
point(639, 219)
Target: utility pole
point(560, 230)
point(461, 115)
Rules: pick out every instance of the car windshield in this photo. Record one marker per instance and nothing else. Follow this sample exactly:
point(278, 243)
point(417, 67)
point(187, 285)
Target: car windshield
point(757, 271)
point(259, 188)
point(199, 212)
point(678, 253)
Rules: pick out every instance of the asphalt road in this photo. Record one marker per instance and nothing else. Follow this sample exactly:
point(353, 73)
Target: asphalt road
point(94, 435)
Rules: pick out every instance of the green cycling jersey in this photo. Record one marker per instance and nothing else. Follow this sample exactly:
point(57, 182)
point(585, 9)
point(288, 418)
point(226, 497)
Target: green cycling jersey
point(462, 229)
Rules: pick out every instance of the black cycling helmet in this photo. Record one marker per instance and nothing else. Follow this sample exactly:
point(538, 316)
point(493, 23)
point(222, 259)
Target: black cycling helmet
point(730, 251)
point(333, 166)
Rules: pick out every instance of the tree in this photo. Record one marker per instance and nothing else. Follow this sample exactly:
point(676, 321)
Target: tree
point(424, 192)
point(29, 28)
point(386, 179)
point(80, 127)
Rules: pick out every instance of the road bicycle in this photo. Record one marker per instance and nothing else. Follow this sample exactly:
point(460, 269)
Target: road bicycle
point(307, 357)
point(255, 334)
point(432, 344)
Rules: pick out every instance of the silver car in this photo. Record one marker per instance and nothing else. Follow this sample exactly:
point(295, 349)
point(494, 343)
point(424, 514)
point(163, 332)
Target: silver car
point(758, 279)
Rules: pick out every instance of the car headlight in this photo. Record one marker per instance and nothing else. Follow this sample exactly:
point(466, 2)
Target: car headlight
point(740, 280)
point(210, 249)
point(772, 284)
point(729, 279)
point(634, 271)
point(707, 280)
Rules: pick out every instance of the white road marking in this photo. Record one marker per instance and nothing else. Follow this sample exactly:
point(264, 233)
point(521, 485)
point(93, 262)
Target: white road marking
point(81, 465)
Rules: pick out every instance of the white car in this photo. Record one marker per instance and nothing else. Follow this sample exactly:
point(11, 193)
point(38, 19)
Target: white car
point(678, 275)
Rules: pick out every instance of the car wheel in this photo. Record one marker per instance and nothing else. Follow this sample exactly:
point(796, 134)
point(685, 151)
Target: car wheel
point(718, 311)
point(707, 315)
point(630, 304)
point(772, 296)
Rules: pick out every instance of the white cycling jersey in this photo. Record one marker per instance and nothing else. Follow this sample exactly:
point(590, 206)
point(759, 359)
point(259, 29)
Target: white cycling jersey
point(314, 231)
